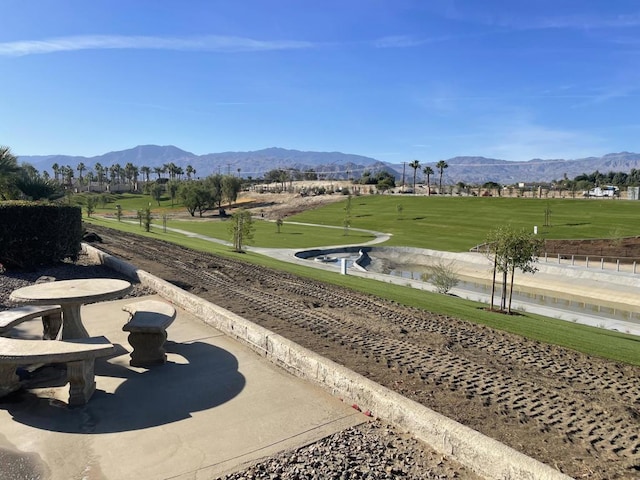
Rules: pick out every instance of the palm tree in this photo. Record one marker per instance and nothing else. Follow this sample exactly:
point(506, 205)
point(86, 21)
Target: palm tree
point(146, 171)
point(172, 169)
point(136, 173)
point(441, 165)
point(415, 165)
point(37, 187)
point(428, 171)
point(99, 169)
point(67, 173)
point(81, 168)
point(190, 171)
point(123, 176)
point(128, 173)
point(8, 161)
point(56, 171)
point(9, 170)
point(159, 171)
point(90, 177)
point(114, 173)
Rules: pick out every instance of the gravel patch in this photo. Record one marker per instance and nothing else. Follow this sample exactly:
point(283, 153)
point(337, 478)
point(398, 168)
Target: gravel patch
point(83, 268)
point(373, 450)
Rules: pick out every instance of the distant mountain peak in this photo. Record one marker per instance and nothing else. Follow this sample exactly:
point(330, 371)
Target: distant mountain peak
point(468, 169)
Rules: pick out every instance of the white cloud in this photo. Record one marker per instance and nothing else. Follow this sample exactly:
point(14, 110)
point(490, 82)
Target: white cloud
point(213, 43)
point(398, 41)
point(609, 93)
point(588, 22)
point(408, 41)
point(539, 14)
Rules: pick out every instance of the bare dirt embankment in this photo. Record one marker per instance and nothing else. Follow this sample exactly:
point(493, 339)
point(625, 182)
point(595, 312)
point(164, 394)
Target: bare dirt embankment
point(281, 205)
point(625, 249)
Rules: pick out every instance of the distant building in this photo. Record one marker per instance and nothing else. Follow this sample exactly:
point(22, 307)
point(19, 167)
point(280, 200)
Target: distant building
point(606, 191)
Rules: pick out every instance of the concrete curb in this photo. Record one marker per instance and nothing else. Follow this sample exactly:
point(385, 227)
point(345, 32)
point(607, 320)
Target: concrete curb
point(485, 456)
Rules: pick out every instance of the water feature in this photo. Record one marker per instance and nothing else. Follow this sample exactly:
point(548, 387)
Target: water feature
point(386, 266)
point(544, 299)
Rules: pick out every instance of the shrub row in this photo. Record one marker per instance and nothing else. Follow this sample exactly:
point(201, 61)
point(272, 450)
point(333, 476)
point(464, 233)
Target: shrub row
point(34, 235)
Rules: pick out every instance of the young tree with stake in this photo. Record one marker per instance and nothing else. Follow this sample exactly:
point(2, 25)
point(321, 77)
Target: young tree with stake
point(510, 249)
point(241, 228)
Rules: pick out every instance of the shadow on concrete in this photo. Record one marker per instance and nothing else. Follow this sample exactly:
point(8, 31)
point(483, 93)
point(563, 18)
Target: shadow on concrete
point(141, 398)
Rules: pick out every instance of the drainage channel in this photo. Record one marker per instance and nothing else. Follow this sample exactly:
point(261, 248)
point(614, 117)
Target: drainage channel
point(473, 288)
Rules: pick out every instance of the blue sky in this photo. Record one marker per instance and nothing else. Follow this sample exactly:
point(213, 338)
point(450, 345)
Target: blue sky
point(396, 80)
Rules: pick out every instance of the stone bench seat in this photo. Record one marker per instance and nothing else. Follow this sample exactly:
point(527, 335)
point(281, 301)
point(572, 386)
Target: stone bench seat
point(147, 327)
point(79, 356)
point(51, 318)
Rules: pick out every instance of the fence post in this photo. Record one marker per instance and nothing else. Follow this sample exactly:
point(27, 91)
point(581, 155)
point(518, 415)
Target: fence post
point(545, 257)
point(618, 265)
point(602, 264)
point(558, 259)
point(587, 261)
point(634, 267)
point(573, 262)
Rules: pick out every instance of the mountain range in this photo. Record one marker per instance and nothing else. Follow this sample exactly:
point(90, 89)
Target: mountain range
point(337, 165)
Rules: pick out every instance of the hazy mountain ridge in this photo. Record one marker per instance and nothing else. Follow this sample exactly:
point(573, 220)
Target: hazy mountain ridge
point(256, 163)
point(481, 169)
point(334, 165)
point(141, 154)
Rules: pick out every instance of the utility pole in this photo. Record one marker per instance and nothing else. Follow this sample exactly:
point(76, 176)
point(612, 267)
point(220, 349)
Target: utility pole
point(404, 166)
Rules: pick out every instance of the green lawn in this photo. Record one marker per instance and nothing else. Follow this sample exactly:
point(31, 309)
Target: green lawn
point(266, 233)
point(460, 223)
point(439, 223)
point(132, 202)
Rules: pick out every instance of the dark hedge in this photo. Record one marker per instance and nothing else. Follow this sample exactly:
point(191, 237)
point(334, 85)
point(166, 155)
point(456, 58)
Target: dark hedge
point(34, 235)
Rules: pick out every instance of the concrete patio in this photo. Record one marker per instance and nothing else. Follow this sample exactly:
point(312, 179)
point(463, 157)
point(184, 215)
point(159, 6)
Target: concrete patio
point(212, 408)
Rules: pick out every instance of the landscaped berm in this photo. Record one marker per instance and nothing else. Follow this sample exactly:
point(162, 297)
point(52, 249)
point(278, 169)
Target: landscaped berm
point(577, 413)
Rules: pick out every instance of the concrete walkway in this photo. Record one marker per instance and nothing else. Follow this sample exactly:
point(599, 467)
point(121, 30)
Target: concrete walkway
point(212, 408)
